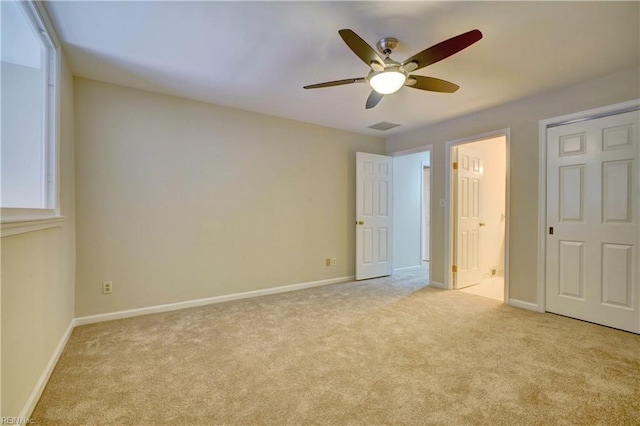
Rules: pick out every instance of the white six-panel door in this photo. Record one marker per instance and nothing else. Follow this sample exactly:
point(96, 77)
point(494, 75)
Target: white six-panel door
point(592, 270)
point(467, 210)
point(373, 215)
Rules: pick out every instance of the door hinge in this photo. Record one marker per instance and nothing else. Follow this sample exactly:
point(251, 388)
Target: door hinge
point(454, 268)
point(455, 166)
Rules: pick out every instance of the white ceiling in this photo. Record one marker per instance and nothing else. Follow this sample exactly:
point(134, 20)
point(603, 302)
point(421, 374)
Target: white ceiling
point(256, 56)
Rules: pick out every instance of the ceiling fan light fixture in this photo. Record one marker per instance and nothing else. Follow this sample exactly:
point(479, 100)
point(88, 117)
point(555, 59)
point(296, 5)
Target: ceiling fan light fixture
point(387, 76)
point(388, 81)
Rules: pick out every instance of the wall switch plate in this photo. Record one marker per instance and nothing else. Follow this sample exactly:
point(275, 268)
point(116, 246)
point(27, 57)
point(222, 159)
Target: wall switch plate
point(107, 287)
point(328, 262)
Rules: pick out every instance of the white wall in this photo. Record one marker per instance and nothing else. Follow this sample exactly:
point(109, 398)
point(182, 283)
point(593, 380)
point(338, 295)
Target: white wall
point(180, 200)
point(522, 117)
point(407, 209)
point(38, 278)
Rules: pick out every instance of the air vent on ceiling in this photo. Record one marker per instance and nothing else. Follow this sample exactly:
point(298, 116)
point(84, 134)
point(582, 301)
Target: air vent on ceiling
point(383, 125)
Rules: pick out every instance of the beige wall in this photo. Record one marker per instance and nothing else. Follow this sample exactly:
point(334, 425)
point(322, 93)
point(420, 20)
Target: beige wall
point(522, 117)
point(179, 200)
point(38, 273)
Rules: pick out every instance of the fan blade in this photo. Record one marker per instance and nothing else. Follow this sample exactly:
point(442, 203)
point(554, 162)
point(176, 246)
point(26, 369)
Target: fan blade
point(360, 47)
point(443, 49)
point(431, 84)
point(336, 83)
point(373, 99)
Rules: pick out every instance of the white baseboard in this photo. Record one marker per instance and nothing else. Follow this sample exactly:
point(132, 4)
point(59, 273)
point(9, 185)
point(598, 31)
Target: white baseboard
point(91, 319)
point(30, 405)
point(437, 285)
point(525, 305)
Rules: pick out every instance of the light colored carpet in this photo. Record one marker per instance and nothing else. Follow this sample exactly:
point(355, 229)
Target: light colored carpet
point(385, 351)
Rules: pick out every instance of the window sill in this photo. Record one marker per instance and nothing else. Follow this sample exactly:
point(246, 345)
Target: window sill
point(16, 225)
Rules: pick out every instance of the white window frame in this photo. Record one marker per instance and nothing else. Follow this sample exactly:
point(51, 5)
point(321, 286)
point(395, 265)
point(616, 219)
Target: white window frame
point(19, 220)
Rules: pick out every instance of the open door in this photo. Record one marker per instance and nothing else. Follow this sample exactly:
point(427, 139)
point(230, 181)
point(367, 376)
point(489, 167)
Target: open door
point(373, 215)
point(468, 170)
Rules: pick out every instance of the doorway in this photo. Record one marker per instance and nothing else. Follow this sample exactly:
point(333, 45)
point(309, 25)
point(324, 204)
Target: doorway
point(411, 207)
point(477, 215)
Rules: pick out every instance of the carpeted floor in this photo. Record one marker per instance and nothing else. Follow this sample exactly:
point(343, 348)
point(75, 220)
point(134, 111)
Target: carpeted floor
point(384, 351)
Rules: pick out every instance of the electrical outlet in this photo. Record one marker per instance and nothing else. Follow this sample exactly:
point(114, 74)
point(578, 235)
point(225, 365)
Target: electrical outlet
point(328, 261)
point(334, 261)
point(107, 287)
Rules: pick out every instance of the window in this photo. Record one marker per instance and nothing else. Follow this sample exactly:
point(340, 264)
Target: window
point(28, 187)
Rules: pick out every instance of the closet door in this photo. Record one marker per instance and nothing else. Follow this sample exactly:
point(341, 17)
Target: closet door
point(592, 264)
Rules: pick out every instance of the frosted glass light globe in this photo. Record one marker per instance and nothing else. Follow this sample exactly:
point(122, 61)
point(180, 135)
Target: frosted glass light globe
point(388, 81)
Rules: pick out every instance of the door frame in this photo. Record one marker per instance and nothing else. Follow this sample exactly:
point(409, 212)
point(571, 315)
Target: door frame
point(423, 148)
point(422, 221)
point(448, 210)
point(543, 125)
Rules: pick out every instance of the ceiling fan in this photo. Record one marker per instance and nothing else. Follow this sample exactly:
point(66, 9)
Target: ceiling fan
point(388, 76)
